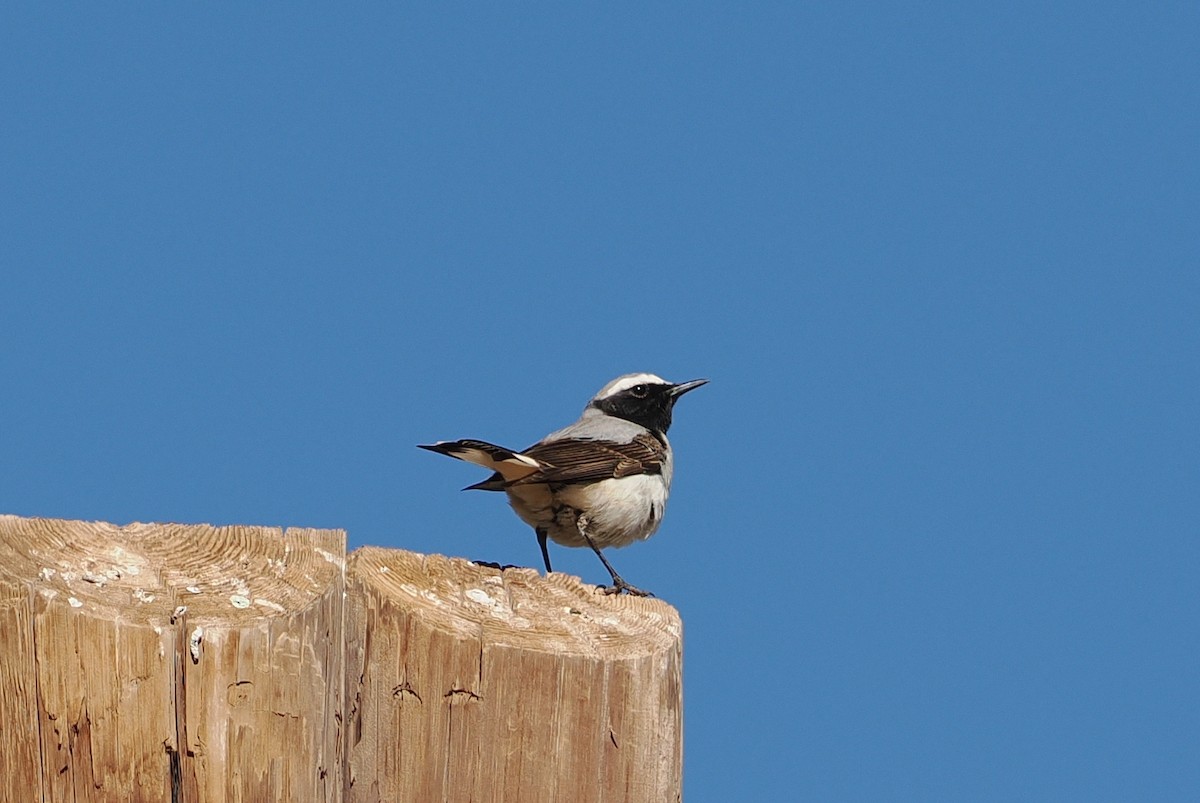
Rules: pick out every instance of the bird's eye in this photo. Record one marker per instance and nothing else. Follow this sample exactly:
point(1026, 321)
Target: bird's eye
point(639, 391)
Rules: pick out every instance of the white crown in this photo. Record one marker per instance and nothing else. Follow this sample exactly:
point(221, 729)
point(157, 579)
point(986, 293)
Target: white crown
point(626, 382)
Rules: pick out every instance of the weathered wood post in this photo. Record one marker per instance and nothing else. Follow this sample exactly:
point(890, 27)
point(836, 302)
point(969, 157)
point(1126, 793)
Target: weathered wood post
point(193, 663)
point(162, 662)
point(471, 684)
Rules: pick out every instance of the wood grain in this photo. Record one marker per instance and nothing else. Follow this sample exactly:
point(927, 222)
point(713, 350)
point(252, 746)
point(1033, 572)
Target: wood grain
point(166, 662)
point(471, 684)
point(114, 704)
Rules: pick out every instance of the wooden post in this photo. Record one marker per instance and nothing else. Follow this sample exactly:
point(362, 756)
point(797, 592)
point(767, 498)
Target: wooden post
point(472, 684)
point(192, 663)
point(170, 663)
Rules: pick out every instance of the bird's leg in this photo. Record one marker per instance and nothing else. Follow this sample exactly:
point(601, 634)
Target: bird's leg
point(541, 534)
point(619, 585)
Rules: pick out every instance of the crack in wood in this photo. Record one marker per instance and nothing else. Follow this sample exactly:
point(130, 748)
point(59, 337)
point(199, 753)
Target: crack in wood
point(461, 695)
point(404, 688)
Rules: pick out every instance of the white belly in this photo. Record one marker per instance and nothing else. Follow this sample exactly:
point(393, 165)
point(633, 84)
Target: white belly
point(620, 511)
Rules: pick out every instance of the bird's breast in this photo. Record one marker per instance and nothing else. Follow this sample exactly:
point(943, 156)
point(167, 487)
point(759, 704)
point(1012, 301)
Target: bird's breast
point(619, 511)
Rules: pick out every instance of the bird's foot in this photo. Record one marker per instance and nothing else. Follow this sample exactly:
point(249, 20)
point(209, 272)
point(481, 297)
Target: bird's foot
point(619, 586)
point(491, 564)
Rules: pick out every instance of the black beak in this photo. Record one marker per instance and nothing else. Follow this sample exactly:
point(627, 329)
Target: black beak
point(683, 387)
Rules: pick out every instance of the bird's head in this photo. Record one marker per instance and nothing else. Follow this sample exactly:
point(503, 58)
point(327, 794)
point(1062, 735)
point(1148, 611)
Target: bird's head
point(644, 399)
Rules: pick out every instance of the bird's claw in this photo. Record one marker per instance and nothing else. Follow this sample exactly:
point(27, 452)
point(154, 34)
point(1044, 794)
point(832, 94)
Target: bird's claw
point(619, 586)
point(491, 564)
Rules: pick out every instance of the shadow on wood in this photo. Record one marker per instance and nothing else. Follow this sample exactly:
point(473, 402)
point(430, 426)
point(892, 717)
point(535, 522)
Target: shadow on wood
point(195, 663)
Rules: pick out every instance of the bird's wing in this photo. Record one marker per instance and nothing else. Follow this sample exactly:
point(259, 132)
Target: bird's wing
point(570, 460)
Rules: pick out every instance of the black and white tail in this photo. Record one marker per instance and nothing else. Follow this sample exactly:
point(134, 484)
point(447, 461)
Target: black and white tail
point(507, 464)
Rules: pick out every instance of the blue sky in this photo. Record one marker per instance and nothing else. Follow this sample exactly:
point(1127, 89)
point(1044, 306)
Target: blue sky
point(933, 533)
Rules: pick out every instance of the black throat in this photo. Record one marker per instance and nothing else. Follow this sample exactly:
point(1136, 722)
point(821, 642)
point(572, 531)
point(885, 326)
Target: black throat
point(651, 410)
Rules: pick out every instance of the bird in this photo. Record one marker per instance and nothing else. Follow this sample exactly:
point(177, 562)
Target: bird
point(600, 482)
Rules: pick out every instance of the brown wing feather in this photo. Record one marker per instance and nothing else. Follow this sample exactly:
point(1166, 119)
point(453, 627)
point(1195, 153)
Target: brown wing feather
point(572, 461)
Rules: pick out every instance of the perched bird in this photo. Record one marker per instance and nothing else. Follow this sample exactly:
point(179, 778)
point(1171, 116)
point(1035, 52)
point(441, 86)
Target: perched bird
point(600, 482)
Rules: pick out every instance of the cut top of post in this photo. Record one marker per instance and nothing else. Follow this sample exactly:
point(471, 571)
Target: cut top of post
point(518, 607)
point(149, 573)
